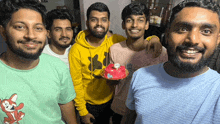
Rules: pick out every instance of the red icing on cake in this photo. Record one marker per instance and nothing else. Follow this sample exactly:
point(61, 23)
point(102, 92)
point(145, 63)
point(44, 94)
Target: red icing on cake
point(112, 73)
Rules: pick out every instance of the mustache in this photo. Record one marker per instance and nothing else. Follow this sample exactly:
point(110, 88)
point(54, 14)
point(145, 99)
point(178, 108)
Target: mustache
point(27, 41)
point(98, 26)
point(64, 38)
point(187, 47)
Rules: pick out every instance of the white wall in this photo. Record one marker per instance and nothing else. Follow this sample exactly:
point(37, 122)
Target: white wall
point(52, 4)
point(175, 2)
point(115, 7)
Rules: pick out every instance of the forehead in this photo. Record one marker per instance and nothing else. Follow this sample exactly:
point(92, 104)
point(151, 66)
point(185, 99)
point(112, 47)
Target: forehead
point(26, 16)
point(61, 23)
point(136, 16)
point(98, 14)
point(197, 15)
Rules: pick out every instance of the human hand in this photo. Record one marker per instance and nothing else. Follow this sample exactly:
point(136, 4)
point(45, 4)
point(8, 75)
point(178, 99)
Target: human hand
point(154, 47)
point(87, 119)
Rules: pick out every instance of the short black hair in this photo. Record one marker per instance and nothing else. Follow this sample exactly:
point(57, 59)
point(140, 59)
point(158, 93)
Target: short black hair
point(206, 4)
point(135, 8)
point(8, 7)
point(98, 6)
point(58, 14)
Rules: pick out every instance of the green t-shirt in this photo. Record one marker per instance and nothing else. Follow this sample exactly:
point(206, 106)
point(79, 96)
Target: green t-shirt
point(36, 93)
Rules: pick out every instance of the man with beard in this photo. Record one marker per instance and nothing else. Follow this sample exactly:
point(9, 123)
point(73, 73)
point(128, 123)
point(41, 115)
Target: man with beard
point(35, 88)
point(87, 58)
point(60, 33)
point(183, 90)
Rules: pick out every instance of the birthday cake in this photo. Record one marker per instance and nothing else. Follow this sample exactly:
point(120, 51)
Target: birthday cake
point(115, 72)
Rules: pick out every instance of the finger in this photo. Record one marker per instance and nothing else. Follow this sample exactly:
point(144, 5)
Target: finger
point(92, 117)
point(147, 46)
point(157, 50)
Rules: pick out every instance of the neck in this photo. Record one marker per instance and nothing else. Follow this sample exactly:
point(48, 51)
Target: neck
point(93, 41)
point(179, 73)
point(17, 62)
point(136, 44)
point(57, 49)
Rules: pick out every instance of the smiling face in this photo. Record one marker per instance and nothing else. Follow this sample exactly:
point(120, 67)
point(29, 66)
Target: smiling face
point(25, 34)
point(135, 26)
point(98, 23)
point(61, 33)
point(192, 38)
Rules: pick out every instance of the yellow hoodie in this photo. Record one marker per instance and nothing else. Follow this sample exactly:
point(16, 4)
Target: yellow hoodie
point(86, 63)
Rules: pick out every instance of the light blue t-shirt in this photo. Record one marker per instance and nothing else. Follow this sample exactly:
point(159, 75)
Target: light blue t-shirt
point(36, 93)
point(159, 98)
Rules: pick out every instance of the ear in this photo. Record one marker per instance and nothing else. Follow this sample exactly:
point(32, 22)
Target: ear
point(3, 32)
point(218, 41)
point(14, 97)
point(48, 34)
point(109, 23)
point(123, 25)
point(87, 24)
point(147, 25)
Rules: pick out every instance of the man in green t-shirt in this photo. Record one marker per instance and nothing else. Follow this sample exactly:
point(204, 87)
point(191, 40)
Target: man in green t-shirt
point(35, 88)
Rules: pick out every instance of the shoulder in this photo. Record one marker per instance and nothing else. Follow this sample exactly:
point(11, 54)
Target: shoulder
point(118, 45)
point(116, 38)
point(46, 48)
point(52, 61)
point(213, 74)
point(74, 48)
point(149, 70)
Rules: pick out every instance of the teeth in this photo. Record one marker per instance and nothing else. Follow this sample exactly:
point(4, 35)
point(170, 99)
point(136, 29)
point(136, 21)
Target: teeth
point(134, 31)
point(99, 29)
point(191, 51)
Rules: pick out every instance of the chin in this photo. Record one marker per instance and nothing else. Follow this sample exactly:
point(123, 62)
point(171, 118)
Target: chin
point(135, 38)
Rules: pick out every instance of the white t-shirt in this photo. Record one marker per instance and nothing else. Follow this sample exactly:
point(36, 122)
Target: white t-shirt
point(63, 57)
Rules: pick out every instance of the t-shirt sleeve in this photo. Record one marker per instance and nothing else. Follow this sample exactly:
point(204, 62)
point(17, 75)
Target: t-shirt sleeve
point(130, 102)
point(67, 92)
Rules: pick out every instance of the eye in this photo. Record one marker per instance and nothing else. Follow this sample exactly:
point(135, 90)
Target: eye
point(39, 28)
point(19, 27)
point(141, 20)
point(128, 20)
point(181, 29)
point(69, 29)
point(57, 29)
point(206, 31)
point(92, 19)
point(104, 20)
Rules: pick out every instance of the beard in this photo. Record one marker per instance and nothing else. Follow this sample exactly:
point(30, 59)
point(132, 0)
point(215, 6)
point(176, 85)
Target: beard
point(96, 34)
point(22, 53)
point(64, 46)
point(185, 66)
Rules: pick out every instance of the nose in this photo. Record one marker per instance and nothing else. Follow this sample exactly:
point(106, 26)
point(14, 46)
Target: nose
point(99, 22)
point(134, 24)
point(63, 33)
point(30, 34)
point(193, 36)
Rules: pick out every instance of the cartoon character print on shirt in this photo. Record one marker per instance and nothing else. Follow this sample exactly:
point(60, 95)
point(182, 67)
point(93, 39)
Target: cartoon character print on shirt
point(10, 108)
point(97, 64)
